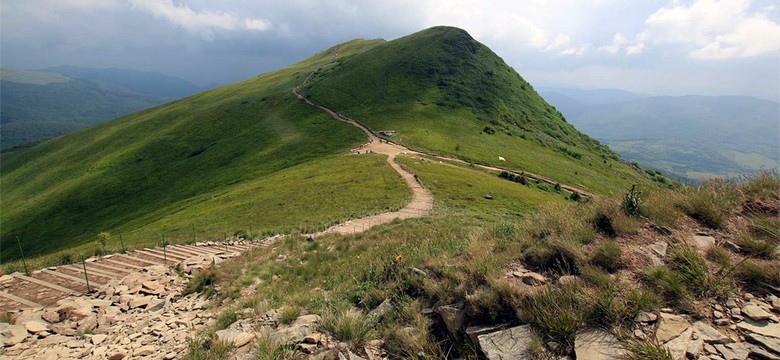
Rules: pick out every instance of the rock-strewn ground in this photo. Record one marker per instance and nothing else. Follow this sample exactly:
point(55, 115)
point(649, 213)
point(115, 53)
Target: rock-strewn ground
point(143, 315)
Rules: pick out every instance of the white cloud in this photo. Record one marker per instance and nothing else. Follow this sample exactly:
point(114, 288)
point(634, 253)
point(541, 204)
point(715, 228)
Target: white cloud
point(636, 49)
point(714, 29)
point(203, 22)
point(618, 40)
point(559, 41)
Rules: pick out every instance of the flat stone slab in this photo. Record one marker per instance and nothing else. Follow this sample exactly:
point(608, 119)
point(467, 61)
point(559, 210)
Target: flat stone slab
point(597, 345)
point(762, 328)
point(509, 344)
point(670, 326)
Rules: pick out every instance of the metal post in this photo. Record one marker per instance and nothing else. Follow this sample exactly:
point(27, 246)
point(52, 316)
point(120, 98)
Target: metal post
point(193, 233)
point(122, 242)
point(24, 262)
point(250, 232)
point(165, 255)
point(84, 264)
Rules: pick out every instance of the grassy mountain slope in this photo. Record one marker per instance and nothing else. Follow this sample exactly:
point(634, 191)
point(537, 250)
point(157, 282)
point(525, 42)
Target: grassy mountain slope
point(191, 163)
point(38, 105)
point(140, 81)
point(688, 136)
point(443, 91)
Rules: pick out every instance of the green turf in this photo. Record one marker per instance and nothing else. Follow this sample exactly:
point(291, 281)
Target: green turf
point(443, 91)
point(142, 170)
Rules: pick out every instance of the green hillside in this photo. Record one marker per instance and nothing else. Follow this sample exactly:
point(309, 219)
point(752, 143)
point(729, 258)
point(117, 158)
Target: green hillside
point(441, 90)
point(252, 157)
point(37, 105)
point(199, 162)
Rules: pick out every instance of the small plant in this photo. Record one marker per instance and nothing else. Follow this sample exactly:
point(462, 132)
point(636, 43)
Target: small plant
point(103, 239)
point(755, 247)
point(207, 348)
point(632, 201)
point(607, 256)
point(288, 314)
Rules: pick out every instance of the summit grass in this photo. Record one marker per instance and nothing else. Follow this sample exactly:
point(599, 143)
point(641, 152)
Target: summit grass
point(443, 91)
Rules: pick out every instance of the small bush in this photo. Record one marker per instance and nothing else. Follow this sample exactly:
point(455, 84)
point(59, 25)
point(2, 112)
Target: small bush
point(765, 227)
point(349, 326)
point(632, 200)
point(695, 273)
point(607, 256)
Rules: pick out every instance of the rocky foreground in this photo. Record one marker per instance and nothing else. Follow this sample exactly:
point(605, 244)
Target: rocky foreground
point(145, 315)
point(142, 315)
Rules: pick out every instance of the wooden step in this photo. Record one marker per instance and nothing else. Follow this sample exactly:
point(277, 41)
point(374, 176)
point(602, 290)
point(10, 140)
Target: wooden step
point(175, 257)
point(46, 284)
point(20, 300)
point(119, 263)
point(92, 270)
point(71, 278)
point(140, 259)
point(153, 255)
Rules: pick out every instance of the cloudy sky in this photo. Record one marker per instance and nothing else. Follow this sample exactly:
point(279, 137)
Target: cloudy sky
point(669, 47)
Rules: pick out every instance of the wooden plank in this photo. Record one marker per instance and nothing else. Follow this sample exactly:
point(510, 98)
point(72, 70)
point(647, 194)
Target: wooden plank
point(192, 253)
point(46, 284)
point(20, 300)
point(107, 267)
point(160, 257)
point(138, 258)
point(200, 249)
point(160, 253)
point(177, 252)
point(119, 263)
point(92, 270)
point(71, 278)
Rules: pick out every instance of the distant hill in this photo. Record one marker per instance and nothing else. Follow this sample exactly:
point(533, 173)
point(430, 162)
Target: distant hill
point(690, 137)
point(39, 105)
point(143, 82)
point(253, 155)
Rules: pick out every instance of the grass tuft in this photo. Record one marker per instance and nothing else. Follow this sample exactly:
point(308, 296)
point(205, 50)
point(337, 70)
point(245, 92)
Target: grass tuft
point(607, 256)
point(348, 326)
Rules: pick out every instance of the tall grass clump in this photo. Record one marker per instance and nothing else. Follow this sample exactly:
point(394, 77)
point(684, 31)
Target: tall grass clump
point(607, 256)
point(710, 202)
point(662, 208)
point(762, 186)
point(758, 276)
point(202, 282)
point(557, 311)
point(348, 326)
point(642, 349)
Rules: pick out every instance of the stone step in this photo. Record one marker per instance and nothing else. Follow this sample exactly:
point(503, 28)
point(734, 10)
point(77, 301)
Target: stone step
point(20, 300)
point(72, 278)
